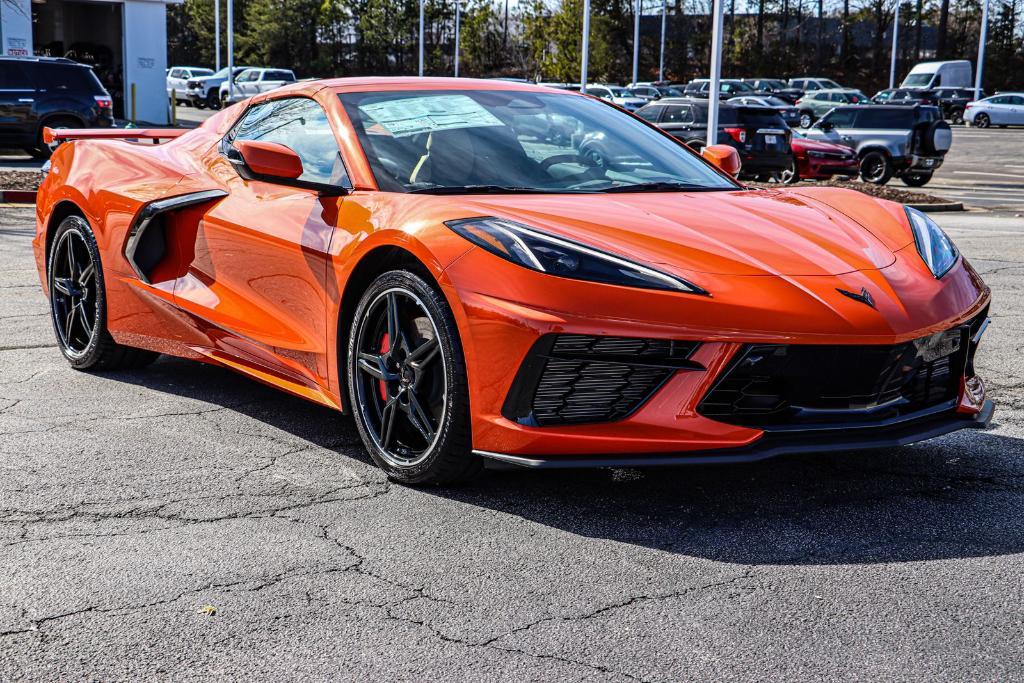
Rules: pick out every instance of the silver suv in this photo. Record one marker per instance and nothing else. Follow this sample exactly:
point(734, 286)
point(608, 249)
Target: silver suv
point(908, 142)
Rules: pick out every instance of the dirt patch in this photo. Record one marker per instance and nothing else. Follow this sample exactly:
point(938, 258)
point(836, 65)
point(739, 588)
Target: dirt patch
point(895, 194)
point(20, 180)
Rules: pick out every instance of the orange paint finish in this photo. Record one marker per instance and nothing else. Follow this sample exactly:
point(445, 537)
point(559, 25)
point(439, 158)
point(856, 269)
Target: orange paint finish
point(256, 280)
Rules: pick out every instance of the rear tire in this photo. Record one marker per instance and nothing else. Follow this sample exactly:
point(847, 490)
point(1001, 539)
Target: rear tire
point(78, 302)
point(806, 119)
point(917, 179)
point(956, 116)
point(213, 101)
point(982, 121)
point(876, 168)
point(407, 382)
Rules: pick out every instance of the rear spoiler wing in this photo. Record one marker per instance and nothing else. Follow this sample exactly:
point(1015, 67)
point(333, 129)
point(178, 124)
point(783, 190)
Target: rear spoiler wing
point(55, 136)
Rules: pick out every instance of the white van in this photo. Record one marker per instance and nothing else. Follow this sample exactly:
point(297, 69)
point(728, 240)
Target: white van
point(954, 74)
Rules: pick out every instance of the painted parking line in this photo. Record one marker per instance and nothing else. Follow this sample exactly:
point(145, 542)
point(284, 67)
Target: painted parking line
point(988, 173)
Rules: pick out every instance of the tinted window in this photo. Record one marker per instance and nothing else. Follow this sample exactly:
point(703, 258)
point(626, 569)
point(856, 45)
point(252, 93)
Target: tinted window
point(650, 113)
point(67, 78)
point(301, 125)
point(14, 76)
point(278, 75)
point(999, 100)
point(678, 114)
point(1016, 99)
point(885, 118)
point(761, 118)
point(437, 139)
point(841, 118)
point(199, 73)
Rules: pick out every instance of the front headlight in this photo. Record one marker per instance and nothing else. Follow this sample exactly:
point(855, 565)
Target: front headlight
point(545, 253)
point(936, 249)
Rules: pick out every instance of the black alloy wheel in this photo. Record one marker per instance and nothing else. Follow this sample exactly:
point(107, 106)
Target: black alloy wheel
point(876, 168)
point(407, 382)
point(73, 287)
point(78, 302)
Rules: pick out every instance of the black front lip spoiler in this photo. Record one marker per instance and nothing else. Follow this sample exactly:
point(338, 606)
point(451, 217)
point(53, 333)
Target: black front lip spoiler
point(772, 444)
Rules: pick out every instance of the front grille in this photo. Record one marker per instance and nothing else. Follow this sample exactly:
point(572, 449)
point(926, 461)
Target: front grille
point(778, 385)
point(578, 379)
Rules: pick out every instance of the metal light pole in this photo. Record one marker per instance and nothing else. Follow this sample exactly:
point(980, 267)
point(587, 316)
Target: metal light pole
point(661, 52)
point(895, 38)
point(637, 8)
point(458, 11)
point(586, 45)
point(231, 50)
point(216, 33)
point(716, 71)
point(422, 2)
point(981, 50)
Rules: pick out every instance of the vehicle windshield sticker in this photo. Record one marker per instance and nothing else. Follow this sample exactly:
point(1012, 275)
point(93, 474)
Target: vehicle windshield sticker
point(414, 115)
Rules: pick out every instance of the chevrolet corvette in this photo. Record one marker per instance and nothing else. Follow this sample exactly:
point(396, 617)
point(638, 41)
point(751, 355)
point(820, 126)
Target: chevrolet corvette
point(453, 263)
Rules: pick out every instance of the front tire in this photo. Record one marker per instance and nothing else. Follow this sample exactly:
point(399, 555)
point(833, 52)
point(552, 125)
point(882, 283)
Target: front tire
point(213, 101)
point(876, 168)
point(407, 382)
point(78, 302)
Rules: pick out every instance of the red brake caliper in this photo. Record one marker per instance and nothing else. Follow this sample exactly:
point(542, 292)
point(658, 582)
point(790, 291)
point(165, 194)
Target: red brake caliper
point(385, 344)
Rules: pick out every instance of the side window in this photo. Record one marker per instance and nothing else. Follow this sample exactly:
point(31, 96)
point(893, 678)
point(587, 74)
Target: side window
point(999, 100)
point(650, 113)
point(841, 118)
point(677, 114)
point(13, 76)
point(301, 125)
point(1017, 100)
point(175, 73)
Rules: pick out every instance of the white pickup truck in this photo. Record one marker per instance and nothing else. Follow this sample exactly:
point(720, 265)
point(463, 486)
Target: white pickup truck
point(254, 81)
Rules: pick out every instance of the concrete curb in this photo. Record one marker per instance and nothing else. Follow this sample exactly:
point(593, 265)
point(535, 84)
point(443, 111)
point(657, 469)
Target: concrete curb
point(18, 196)
point(938, 208)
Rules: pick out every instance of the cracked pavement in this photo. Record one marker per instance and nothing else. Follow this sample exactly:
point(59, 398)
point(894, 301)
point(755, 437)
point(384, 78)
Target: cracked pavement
point(181, 521)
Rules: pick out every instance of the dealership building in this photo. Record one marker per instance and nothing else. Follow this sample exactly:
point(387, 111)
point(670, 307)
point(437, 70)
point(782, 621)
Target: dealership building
point(124, 40)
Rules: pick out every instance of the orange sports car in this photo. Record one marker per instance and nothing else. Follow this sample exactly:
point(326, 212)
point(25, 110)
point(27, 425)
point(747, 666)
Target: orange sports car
point(490, 270)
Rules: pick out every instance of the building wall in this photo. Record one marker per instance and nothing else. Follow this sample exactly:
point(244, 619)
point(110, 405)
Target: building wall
point(16, 27)
point(145, 60)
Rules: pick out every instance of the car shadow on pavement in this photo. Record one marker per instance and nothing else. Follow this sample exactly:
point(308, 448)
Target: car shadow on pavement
point(958, 496)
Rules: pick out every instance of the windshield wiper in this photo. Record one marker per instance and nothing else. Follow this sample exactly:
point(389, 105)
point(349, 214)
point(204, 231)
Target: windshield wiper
point(483, 189)
point(660, 186)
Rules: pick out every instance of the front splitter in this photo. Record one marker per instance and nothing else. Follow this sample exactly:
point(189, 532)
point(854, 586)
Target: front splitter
point(771, 444)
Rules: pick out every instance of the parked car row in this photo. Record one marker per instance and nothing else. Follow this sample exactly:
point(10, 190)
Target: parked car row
point(878, 142)
point(202, 87)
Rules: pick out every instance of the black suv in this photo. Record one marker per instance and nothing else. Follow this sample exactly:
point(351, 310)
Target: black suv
point(47, 91)
point(758, 133)
point(953, 102)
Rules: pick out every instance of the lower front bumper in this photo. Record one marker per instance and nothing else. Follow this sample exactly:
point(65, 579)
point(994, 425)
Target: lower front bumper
point(919, 427)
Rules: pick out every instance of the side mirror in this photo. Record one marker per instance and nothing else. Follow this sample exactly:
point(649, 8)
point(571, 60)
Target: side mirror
point(270, 159)
point(825, 126)
point(724, 157)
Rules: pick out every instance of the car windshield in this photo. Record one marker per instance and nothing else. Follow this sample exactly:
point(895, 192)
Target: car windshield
point(776, 102)
point(516, 141)
point(914, 80)
point(619, 92)
point(828, 83)
point(671, 92)
point(778, 85)
point(202, 72)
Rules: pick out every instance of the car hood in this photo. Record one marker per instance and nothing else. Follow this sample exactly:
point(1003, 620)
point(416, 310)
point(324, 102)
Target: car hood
point(726, 233)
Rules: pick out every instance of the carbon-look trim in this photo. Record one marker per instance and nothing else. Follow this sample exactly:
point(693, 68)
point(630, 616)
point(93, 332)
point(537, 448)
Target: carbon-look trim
point(154, 209)
point(769, 445)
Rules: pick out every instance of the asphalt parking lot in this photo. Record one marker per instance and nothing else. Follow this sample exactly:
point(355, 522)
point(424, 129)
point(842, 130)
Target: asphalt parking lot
point(182, 522)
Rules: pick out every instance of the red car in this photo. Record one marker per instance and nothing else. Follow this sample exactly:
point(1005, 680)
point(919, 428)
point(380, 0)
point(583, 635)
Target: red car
point(817, 160)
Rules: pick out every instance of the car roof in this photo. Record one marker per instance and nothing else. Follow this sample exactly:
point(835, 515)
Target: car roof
point(407, 83)
point(44, 60)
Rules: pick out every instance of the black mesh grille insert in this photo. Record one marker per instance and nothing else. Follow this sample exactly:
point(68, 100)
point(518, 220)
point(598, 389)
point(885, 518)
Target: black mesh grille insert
point(576, 379)
point(778, 384)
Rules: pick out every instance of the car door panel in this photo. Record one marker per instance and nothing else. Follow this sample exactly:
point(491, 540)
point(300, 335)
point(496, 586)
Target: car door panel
point(259, 259)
